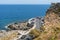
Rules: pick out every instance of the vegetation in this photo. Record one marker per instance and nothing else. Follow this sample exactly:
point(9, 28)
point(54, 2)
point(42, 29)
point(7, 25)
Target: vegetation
point(51, 27)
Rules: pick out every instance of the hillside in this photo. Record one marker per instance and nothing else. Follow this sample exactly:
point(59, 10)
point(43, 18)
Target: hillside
point(51, 24)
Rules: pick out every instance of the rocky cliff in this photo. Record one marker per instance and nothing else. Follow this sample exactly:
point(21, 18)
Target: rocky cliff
point(52, 18)
point(51, 24)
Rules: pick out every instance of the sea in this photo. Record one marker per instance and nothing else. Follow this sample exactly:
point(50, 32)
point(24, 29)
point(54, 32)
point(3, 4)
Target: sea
point(14, 13)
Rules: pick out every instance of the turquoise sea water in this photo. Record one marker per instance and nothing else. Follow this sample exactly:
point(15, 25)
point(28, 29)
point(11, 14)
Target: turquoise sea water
point(12, 13)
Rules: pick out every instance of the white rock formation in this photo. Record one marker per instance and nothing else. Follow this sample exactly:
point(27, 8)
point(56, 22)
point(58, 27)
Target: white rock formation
point(37, 22)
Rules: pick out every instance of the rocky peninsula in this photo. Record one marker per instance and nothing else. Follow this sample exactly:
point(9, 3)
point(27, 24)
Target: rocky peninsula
point(38, 28)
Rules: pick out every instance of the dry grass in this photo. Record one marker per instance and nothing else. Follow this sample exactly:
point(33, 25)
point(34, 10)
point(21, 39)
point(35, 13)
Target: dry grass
point(9, 36)
point(51, 28)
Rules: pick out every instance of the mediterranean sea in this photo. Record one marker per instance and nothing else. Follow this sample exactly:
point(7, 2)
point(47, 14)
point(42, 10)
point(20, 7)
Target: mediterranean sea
point(13, 13)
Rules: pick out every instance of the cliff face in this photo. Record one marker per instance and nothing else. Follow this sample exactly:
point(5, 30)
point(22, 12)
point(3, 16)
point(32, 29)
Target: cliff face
point(51, 24)
point(52, 18)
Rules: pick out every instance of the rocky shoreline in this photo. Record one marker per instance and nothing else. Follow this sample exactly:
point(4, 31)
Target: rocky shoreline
point(47, 28)
point(23, 29)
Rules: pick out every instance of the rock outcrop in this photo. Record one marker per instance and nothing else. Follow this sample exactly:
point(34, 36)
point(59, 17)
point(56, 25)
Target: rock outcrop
point(22, 30)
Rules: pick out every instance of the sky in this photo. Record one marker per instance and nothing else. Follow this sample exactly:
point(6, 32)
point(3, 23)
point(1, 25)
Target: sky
point(28, 1)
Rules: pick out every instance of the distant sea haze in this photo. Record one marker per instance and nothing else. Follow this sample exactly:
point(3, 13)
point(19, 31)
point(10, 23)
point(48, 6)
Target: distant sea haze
point(12, 13)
